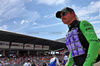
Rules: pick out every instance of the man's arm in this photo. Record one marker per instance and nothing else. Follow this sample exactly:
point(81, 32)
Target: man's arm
point(70, 61)
point(88, 31)
point(57, 61)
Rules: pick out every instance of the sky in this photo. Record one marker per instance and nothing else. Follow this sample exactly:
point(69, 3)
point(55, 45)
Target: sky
point(37, 17)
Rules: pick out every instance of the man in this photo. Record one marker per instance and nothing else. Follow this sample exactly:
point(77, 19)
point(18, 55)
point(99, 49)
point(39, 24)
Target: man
point(27, 63)
point(34, 62)
point(44, 63)
point(65, 58)
point(54, 61)
point(81, 39)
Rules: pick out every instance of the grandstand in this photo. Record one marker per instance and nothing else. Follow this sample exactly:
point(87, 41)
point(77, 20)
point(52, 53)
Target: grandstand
point(14, 43)
point(16, 48)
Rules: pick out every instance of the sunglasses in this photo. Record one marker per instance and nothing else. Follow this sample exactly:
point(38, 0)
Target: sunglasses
point(63, 14)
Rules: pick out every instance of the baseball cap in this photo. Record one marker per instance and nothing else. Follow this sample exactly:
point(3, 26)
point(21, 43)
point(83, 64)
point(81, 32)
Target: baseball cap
point(66, 9)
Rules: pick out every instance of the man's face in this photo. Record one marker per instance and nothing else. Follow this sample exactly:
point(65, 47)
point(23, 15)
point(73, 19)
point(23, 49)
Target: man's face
point(66, 17)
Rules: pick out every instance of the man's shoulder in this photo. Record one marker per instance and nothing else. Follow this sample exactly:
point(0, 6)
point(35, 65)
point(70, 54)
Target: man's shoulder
point(28, 63)
point(65, 56)
point(85, 23)
point(52, 59)
point(25, 64)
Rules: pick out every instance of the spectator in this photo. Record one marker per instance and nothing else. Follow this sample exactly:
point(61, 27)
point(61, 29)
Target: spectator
point(54, 61)
point(27, 63)
point(44, 63)
point(65, 58)
point(34, 63)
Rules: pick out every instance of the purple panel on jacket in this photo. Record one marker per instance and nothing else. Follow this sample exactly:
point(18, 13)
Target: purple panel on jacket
point(76, 38)
point(75, 53)
point(75, 31)
point(73, 46)
point(68, 42)
point(71, 39)
point(70, 33)
point(78, 44)
point(69, 47)
point(80, 51)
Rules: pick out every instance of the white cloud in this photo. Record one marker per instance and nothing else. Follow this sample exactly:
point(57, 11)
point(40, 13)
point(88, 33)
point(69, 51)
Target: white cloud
point(98, 31)
point(4, 27)
point(34, 23)
point(24, 21)
point(49, 16)
point(94, 17)
point(42, 26)
point(10, 9)
point(92, 3)
point(16, 10)
point(93, 7)
point(29, 19)
point(51, 2)
point(90, 12)
point(94, 22)
point(14, 22)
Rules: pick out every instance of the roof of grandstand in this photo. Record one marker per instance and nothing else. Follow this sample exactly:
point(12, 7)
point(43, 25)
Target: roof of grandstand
point(21, 38)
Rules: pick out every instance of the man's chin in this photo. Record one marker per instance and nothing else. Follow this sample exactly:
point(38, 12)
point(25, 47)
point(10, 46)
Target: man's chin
point(64, 22)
